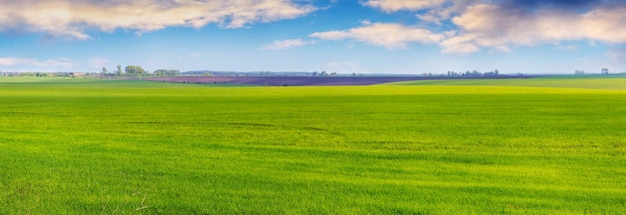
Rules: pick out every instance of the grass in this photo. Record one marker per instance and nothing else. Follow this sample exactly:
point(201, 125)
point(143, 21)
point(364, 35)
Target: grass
point(81, 146)
point(613, 82)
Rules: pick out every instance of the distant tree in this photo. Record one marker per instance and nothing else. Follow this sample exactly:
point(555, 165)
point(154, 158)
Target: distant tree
point(130, 70)
point(119, 70)
point(134, 70)
point(104, 71)
point(171, 72)
point(140, 70)
point(159, 72)
point(164, 72)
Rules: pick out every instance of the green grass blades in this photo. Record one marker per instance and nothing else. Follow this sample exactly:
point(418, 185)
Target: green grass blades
point(80, 146)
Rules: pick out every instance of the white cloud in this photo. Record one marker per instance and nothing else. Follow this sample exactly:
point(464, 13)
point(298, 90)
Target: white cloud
point(396, 5)
point(434, 11)
point(73, 18)
point(391, 36)
point(458, 45)
point(446, 11)
point(606, 24)
point(60, 63)
point(9, 61)
point(495, 27)
point(567, 47)
point(284, 44)
point(500, 25)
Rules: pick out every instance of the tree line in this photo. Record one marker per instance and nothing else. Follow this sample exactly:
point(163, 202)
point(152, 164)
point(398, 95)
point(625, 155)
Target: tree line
point(133, 70)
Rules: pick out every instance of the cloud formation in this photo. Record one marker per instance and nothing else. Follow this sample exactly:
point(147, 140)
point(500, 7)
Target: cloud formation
point(396, 5)
point(500, 27)
point(530, 5)
point(284, 44)
point(458, 26)
point(64, 63)
point(435, 11)
point(388, 35)
point(496, 25)
point(74, 18)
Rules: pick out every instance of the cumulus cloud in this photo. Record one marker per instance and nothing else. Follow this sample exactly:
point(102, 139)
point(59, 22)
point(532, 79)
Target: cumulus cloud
point(499, 27)
point(443, 13)
point(73, 18)
point(496, 25)
point(284, 44)
point(434, 11)
point(605, 24)
point(388, 35)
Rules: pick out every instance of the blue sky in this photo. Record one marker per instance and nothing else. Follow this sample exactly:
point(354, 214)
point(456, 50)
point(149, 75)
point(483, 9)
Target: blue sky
point(343, 36)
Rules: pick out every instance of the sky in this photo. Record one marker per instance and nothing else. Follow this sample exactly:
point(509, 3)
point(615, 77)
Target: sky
point(342, 36)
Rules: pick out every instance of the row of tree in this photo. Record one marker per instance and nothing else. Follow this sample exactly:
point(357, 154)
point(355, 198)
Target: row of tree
point(133, 70)
point(165, 72)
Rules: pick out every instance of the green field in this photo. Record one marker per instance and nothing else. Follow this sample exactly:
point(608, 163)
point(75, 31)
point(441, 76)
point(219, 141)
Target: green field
point(612, 82)
point(531, 146)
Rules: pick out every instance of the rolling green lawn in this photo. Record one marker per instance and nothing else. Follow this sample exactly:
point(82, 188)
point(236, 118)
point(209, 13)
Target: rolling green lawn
point(81, 146)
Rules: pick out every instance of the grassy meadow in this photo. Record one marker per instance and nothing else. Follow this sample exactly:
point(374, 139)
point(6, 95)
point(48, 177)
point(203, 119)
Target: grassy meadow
point(531, 146)
point(613, 82)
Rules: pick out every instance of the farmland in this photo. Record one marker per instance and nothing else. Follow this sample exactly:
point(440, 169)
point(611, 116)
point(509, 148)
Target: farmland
point(306, 80)
point(615, 82)
point(529, 146)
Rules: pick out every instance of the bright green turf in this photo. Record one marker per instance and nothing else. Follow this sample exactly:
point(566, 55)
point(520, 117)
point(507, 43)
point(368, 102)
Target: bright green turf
point(614, 82)
point(78, 146)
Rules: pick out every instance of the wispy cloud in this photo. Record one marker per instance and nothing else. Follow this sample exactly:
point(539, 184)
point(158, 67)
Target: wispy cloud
point(429, 11)
point(285, 44)
point(617, 56)
point(47, 65)
point(73, 18)
point(388, 35)
point(396, 5)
